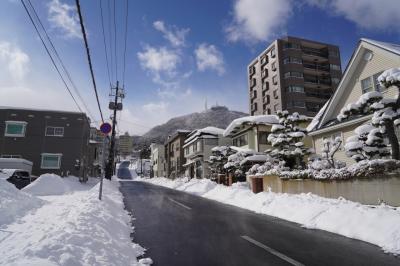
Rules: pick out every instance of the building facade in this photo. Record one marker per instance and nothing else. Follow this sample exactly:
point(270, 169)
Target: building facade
point(293, 74)
point(55, 141)
point(368, 61)
point(157, 159)
point(125, 145)
point(197, 150)
point(174, 155)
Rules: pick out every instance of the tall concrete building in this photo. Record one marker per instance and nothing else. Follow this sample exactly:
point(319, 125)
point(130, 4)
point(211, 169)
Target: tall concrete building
point(125, 145)
point(293, 74)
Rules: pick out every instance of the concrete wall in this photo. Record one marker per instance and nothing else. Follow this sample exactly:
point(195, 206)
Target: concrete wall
point(366, 191)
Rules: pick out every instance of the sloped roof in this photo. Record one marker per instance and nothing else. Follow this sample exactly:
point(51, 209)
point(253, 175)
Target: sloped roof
point(322, 119)
point(250, 120)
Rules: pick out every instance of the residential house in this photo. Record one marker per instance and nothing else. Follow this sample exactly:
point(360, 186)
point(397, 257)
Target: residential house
point(368, 61)
point(174, 155)
point(251, 132)
point(157, 159)
point(55, 141)
point(293, 74)
point(197, 150)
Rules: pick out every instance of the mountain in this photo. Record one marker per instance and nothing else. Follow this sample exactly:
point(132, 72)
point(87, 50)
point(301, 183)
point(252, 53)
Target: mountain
point(217, 116)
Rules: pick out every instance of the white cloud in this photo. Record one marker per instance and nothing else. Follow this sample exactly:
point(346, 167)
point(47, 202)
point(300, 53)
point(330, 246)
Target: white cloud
point(209, 57)
point(367, 14)
point(15, 60)
point(174, 35)
point(155, 106)
point(258, 20)
point(64, 17)
point(158, 59)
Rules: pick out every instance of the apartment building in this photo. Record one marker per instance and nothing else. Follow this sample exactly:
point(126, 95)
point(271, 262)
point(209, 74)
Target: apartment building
point(157, 159)
point(55, 141)
point(293, 74)
point(174, 153)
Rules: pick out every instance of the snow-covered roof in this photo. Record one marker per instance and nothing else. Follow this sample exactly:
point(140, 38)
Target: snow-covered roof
point(395, 48)
point(211, 132)
point(255, 158)
point(250, 120)
point(38, 110)
point(317, 118)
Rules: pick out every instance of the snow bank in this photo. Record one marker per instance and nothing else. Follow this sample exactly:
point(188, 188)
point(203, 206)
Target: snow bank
point(14, 203)
point(378, 225)
point(74, 229)
point(51, 184)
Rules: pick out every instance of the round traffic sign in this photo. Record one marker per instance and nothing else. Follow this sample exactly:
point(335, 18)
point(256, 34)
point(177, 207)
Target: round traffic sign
point(105, 128)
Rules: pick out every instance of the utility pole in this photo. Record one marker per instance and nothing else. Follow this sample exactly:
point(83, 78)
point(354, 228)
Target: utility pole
point(116, 105)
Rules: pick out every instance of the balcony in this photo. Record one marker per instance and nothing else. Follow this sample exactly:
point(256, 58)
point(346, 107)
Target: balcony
point(316, 67)
point(312, 54)
point(315, 81)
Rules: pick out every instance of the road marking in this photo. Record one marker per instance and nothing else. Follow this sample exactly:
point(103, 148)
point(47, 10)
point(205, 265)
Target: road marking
point(272, 251)
point(180, 204)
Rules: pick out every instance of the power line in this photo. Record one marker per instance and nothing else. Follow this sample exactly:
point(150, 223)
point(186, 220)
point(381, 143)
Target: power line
point(110, 42)
point(115, 45)
point(126, 36)
point(88, 57)
point(49, 54)
point(60, 60)
point(104, 41)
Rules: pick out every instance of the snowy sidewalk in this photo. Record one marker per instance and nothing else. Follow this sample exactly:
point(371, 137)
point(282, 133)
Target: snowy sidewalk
point(379, 225)
point(70, 228)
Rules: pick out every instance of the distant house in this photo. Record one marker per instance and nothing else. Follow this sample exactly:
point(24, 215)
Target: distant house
point(174, 153)
point(55, 141)
point(251, 132)
point(368, 61)
point(197, 150)
point(157, 159)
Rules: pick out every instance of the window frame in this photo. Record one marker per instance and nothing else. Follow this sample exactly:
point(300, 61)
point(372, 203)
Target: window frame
point(370, 87)
point(59, 155)
point(54, 131)
point(23, 123)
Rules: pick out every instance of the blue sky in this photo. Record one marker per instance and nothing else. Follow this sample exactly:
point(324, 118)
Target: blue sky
point(179, 52)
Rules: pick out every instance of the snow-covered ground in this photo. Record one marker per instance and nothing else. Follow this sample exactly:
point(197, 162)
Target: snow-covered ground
point(59, 221)
point(379, 225)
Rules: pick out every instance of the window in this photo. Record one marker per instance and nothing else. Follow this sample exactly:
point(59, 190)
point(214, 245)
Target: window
point(293, 74)
point(293, 60)
point(275, 80)
point(263, 137)
point(275, 93)
point(273, 54)
point(55, 131)
point(51, 160)
point(335, 67)
point(273, 66)
point(299, 104)
point(265, 86)
point(252, 83)
point(295, 88)
point(254, 94)
point(268, 111)
point(366, 85)
point(252, 70)
point(15, 129)
point(254, 107)
point(377, 84)
point(313, 106)
point(267, 99)
point(264, 59)
point(290, 45)
point(242, 140)
point(264, 73)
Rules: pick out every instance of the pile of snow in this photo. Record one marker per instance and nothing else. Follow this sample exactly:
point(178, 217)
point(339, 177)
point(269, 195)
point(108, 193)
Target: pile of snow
point(15, 203)
point(51, 184)
point(74, 229)
point(378, 225)
point(250, 120)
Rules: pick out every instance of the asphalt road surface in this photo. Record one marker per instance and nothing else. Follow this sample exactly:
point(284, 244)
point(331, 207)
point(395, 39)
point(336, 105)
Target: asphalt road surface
point(178, 228)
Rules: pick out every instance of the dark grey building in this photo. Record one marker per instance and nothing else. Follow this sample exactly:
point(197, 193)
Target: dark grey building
point(293, 74)
point(55, 141)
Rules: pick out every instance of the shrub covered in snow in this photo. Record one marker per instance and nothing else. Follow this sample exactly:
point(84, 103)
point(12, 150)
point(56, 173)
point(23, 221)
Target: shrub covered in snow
point(219, 158)
point(385, 118)
point(286, 139)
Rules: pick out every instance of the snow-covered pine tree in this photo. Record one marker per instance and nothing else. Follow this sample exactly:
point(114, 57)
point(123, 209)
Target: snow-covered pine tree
point(385, 112)
point(368, 143)
point(286, 139)
point(219, 158)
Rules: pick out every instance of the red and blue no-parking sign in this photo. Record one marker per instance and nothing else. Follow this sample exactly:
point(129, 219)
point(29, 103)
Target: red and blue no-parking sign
point(105, 128)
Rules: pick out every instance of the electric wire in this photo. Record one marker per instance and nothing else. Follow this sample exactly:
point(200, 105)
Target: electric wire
point(60, 60)
point(104, 41)
point(110, 42)
point(88, 57)
point(115, 45)
point(49, 54)
point(126, 37)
